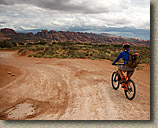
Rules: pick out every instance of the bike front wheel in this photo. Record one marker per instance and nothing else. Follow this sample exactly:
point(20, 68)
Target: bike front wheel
point(131, 91)
point(115, 80)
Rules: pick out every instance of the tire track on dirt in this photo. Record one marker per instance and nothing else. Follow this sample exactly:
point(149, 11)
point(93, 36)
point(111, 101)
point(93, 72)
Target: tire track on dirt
point(90, 97)
point(37, 83)
point(68, 89)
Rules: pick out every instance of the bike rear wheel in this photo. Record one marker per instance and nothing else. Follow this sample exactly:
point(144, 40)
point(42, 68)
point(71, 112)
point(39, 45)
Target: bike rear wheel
point(115, 80)
point(131, 92)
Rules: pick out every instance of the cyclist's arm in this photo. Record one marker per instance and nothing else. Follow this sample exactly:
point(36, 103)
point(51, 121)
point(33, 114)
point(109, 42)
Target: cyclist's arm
point(118, 58)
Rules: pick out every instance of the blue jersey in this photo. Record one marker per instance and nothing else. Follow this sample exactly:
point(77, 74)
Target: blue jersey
point(124, 55)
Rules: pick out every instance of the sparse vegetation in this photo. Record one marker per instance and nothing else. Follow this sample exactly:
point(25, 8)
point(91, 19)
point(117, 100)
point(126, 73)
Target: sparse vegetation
point(7, 44)
point(139, 67)
point(76, 50)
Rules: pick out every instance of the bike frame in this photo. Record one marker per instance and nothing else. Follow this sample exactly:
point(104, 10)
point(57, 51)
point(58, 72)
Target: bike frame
point(128, 85)
point(126, 78)
point(124, 84)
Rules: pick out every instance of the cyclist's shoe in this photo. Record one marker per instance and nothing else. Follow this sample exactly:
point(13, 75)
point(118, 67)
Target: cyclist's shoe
point(122, 81)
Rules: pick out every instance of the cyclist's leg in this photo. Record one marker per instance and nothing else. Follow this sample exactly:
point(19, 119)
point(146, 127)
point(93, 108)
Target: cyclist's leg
point(129, 75)
point(120, 72)
point(122, 69)
point(130, 72)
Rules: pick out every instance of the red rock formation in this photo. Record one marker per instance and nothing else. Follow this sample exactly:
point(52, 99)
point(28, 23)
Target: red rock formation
point(7, 31)
point(75, 37)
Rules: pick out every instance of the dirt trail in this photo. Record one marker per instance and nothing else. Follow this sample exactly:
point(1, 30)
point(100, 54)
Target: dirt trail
point(68, 89)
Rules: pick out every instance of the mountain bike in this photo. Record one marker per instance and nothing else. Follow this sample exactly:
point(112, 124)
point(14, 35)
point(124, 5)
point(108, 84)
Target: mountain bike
point(128, 85)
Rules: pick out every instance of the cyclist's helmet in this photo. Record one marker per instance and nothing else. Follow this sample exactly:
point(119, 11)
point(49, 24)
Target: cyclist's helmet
point(126, 45)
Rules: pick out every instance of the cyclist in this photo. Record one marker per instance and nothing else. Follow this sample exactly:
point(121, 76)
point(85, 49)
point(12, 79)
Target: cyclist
point(125, 56)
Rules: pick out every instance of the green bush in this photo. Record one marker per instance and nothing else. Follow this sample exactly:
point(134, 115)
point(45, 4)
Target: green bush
point(47, 56)
point(29, 55)
point(21, 43)
point(29, 44)
point(41, 43)
point(20, 50)
point(40, 53)
point(74, 50)
point(139, 67)
point(36, 48)
point(37, 55)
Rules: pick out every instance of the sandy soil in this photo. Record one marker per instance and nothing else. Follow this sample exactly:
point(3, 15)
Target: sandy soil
point(67, 89)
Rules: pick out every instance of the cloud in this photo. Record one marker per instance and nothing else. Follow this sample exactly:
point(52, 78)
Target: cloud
point(2, 22)
point(90, 15)
point(75, 6)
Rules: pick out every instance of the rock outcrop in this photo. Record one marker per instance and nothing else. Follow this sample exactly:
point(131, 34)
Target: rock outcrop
point(76, 37)
point(8, 31)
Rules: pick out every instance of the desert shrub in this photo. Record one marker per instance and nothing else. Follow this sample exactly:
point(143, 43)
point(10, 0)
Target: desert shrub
point(36, 48)
point(145, 60)
point(48, 52)
point(37, 55)
point(47, 48)
point(61, 56)
point(100, 55)
point(7, 44)
point(107, 56)
point(108, 51)
point(41, 43)
point(75, 55)
point(82, 55)
point(21, 43)
point(30, 55)
point(13, 48)
point(90, 54)
point(92, 58)
point(79, 50)
point(112, 58)
point(66, 43)
point(71, 52)
point(47, 56)
point(3, 48)
point(29, 44)
point(139, 67)
point(20, 50)
point(68, 56)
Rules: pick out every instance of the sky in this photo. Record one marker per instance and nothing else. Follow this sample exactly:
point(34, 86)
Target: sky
point(130, 18)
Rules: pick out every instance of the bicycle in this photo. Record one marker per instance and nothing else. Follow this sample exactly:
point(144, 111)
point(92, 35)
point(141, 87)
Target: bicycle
point(128, 85)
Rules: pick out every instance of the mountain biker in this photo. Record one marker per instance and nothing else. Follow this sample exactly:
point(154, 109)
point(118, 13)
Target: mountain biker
point(125, 56)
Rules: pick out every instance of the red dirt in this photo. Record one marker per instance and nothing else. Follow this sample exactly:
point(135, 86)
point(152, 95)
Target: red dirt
point(68, 89)
point(7, 74)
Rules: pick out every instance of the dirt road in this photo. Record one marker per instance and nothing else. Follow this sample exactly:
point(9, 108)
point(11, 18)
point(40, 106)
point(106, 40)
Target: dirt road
point(67, 89)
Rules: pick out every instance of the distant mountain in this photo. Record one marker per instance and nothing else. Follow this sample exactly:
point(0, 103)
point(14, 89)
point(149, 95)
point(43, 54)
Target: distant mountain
point(22, 30)
point(76, 37)
point(130, 32)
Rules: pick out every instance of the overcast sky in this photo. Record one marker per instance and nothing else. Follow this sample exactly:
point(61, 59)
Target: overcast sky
point(75, 15)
